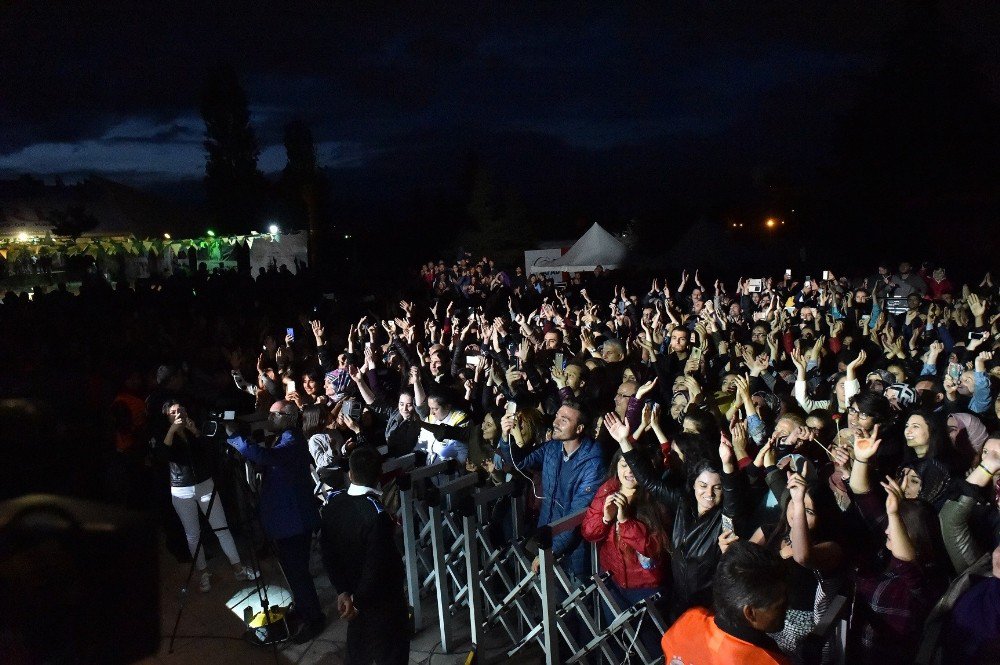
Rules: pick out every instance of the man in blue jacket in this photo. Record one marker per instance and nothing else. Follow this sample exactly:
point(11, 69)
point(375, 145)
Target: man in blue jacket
point(572, 467)
point(288, 509)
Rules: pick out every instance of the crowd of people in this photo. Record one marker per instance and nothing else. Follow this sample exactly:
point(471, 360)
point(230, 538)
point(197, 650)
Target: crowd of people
point(749, 449)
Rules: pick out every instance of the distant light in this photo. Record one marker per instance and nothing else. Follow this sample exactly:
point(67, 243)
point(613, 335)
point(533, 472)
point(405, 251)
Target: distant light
point(770, 223)
point(22, 236)
point(211, 233)
point(273, 229)
point(167, 236)
point(347, 237)
point(782, 222)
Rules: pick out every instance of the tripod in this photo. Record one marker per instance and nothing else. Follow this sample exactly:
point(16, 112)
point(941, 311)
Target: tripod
point(264, 632)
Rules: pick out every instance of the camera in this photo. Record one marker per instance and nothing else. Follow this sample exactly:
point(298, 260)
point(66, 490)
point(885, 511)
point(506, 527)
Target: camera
point(352, 408)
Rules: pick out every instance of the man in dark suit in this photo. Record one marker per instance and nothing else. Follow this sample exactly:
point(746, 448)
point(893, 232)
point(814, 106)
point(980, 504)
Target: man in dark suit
point(365, 566)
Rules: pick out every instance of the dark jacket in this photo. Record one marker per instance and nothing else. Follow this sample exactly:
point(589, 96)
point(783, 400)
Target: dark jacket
point(287, 504)
point(694, 540)
point(581, 480)
point(189, 461)
point(359, 551)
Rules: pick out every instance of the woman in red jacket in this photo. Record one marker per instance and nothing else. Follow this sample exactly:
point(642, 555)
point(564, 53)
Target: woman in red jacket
point(629, 527)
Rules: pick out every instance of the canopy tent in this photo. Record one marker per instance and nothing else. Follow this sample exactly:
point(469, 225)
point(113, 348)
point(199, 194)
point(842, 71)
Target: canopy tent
point(595, 248)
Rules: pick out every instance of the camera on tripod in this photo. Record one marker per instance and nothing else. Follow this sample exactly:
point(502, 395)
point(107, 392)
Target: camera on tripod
point(216, 424)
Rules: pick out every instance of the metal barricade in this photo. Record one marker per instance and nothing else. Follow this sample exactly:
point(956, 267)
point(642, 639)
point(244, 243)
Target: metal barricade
point(449, 548)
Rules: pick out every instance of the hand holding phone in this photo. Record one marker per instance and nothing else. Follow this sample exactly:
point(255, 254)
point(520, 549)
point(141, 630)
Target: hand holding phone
point(290, 332)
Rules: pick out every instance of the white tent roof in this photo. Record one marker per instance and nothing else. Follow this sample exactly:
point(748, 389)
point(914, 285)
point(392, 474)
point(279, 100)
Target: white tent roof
point(595, 248)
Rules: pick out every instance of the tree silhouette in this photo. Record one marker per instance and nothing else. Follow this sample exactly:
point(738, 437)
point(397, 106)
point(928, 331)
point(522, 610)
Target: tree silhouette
point(233, 183)
point(303, 186)
point(74, 221)
point(501, 228)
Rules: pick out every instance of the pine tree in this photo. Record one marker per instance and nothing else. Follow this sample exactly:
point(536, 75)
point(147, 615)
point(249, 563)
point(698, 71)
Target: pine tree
point(233, 183)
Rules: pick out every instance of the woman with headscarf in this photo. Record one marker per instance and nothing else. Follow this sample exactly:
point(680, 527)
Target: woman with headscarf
point(967, 434)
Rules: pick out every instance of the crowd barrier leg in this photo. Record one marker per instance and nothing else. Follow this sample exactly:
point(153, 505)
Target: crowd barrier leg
point(410, 550)
point(550, 639)
point(474, 581)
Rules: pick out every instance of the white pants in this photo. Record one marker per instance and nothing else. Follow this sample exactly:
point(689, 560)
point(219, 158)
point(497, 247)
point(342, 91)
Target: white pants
point(187, 501)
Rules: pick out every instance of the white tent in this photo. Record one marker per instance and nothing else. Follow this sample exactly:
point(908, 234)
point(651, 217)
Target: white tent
point(595, 248)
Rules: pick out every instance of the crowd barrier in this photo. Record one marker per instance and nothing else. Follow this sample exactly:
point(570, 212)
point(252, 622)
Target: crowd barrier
point(463, 543)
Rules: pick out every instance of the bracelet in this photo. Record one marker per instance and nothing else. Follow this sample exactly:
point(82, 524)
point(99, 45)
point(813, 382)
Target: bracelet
point(986, 469)
point(860, 461)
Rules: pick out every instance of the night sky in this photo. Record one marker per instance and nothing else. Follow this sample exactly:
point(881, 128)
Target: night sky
point(112, 88)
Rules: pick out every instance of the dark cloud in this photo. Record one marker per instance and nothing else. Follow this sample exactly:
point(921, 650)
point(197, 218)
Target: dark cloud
point(93, 79)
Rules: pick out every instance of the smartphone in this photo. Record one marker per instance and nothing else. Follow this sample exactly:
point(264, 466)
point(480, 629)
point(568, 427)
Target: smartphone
point(290, 387)
point(955, 371)
point(511, 408)
point(826, 275)
point(560, 361)
point(290, 332)
point(229, 415)
point(976, 336)
point(806, 284)
point(788, 273)
point(694, 338)
point(755, 286)
point(696, 353)
point(471, 361)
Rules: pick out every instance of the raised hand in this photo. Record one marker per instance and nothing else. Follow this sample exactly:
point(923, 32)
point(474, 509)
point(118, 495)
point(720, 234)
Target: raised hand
point(616, 428)
point(842, 461)
point(558, 376)
point(857, 362)
point(893, 496)
point(318, 331)
point(644, 389)
point(646, 419)
point(800, 363)
point(976, 306)
point(866, 447)
point(796, 488)
point(727, 538)
point(982, 359)
point(611, 507)
point(727, 454)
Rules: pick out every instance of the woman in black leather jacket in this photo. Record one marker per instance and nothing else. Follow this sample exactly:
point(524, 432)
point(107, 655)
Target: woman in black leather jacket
point(191, 489)
point(694, 497)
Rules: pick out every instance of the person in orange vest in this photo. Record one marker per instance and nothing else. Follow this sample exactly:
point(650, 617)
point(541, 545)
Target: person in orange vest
point(750, 596)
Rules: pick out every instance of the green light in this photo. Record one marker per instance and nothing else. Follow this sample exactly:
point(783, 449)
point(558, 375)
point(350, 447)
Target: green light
point(211, 233)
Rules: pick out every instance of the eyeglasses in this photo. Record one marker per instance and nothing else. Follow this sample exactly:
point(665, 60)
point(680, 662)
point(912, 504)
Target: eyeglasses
point(621, 396)
point(860, 414)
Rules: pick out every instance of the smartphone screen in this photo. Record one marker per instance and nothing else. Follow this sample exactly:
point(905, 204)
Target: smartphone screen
point(290, 332)
point(560, 361)
point(788, 273)
point(826, 274)
point(290, 387)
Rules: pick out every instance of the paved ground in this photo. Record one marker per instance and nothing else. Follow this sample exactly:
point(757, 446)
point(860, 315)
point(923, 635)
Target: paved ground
point(211, 625)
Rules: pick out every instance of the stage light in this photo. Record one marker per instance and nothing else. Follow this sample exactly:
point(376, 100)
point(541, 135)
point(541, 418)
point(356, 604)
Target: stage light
point(770, 223)
point(273, 229)
point(211, 233)
point(167, 236)
point(22, 236)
